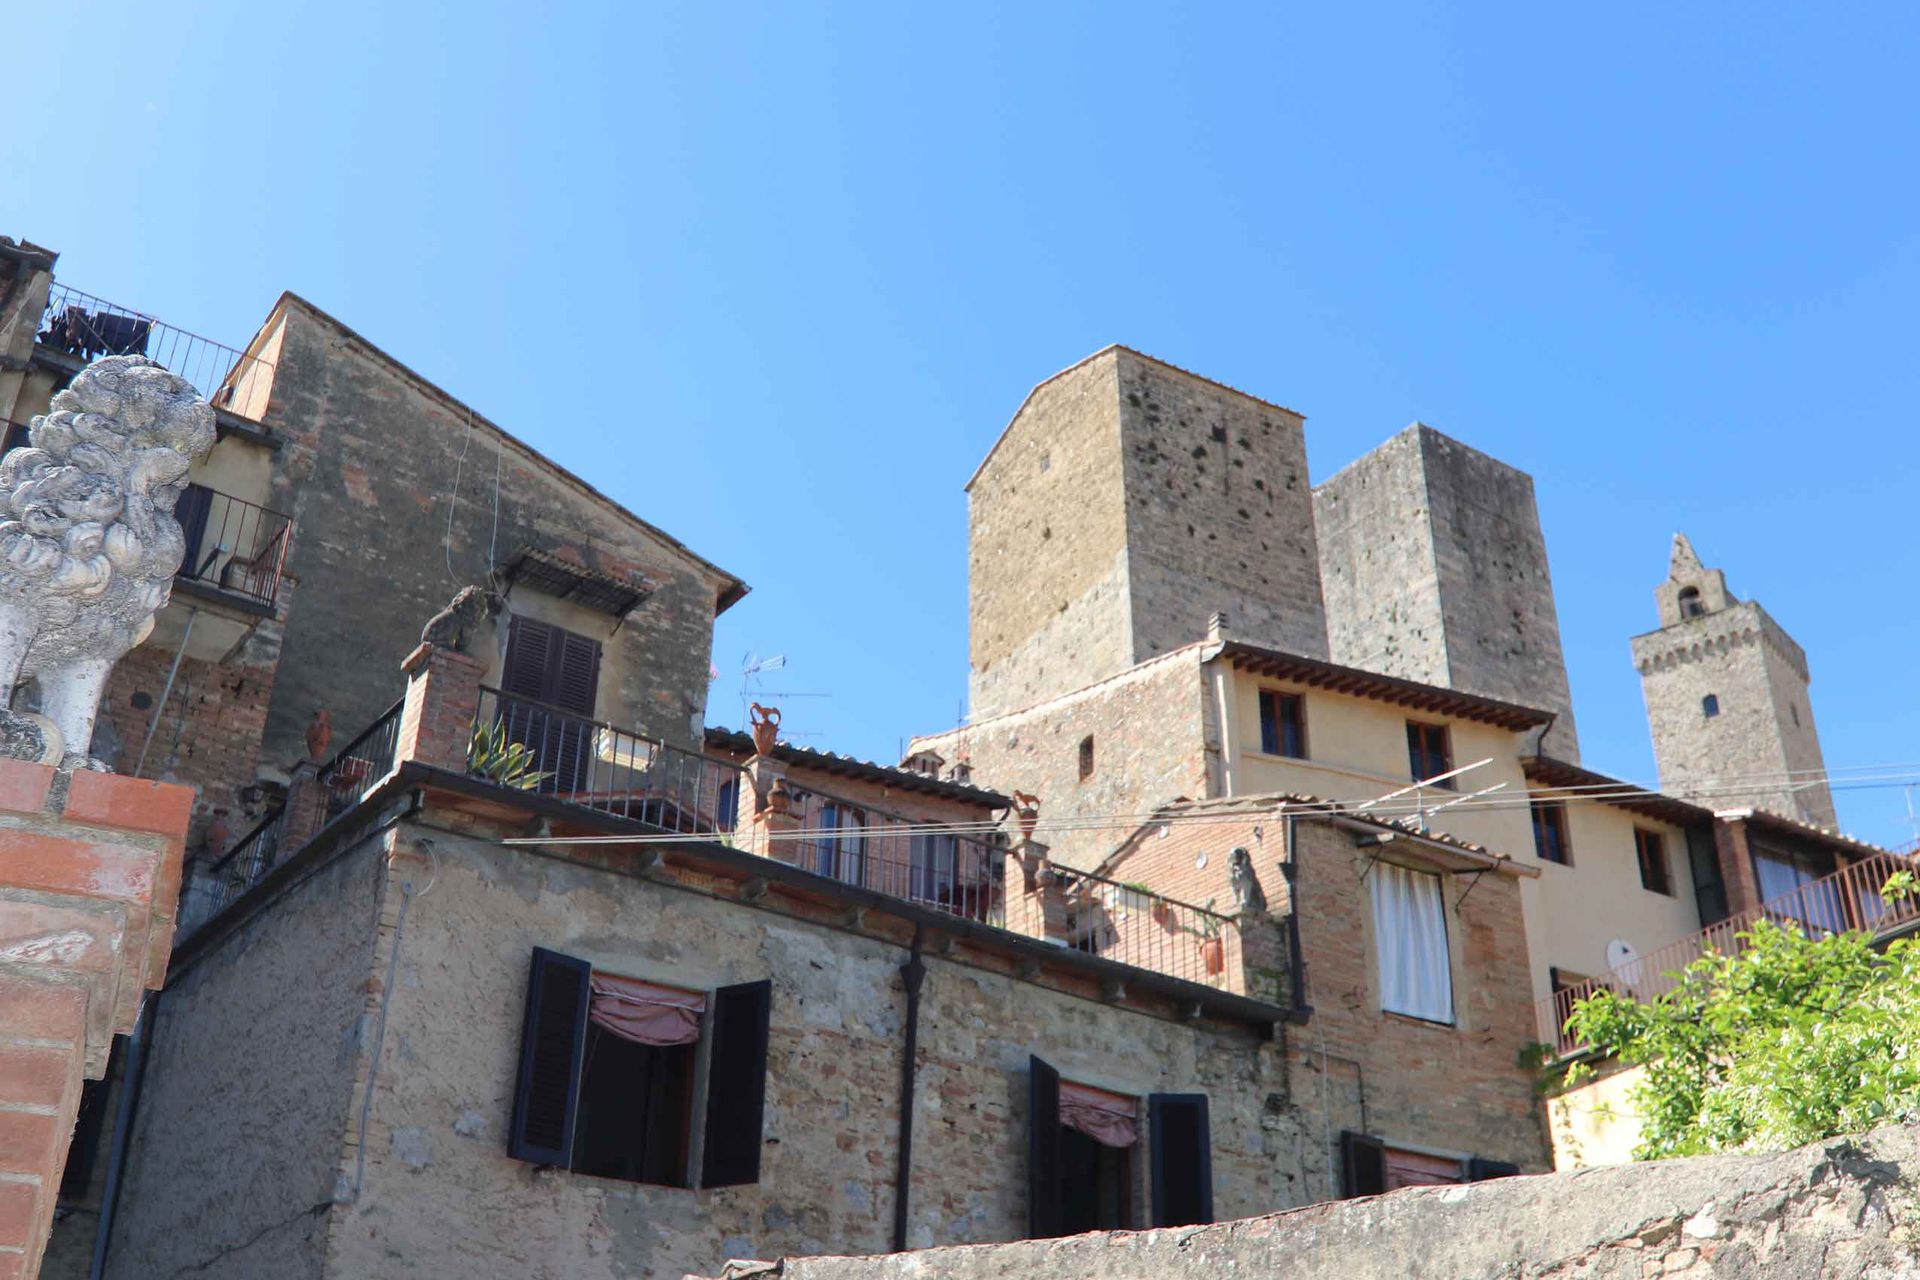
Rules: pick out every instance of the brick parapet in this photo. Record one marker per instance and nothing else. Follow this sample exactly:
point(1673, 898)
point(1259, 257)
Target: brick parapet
point(443, 697)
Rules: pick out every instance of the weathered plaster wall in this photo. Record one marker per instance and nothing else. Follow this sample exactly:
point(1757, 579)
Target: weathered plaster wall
point(1840, 1209)
point(1596, 1122)
point(246, 1097)
point(1765, 727)
point(1435, 568)
point(369, 472)
point(443, 1198)
point(1152, 735)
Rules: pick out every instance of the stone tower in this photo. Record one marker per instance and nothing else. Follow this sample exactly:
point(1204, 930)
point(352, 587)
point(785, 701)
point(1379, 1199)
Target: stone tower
point(1126, 502)
point(1726, 692)
point(1435, 570)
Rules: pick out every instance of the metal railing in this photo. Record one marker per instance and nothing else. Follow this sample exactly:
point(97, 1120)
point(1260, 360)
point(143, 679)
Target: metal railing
point(356, 767)
point(231, 543)
point(87, 327)
point(915, 861)
point(588, 762)
point(213, 890)
point(1847, 899)
point(1131, 924)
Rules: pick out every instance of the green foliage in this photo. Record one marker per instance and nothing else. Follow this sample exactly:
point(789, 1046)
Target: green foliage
point(493, 757)
point(1791, 1040)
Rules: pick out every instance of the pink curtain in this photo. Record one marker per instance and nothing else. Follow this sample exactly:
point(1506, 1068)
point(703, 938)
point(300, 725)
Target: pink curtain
point(643, 1013)
point(1111, 1119)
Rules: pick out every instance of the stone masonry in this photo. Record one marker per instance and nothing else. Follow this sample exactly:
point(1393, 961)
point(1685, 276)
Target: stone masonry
point(1761, 727)
point(1435, 569)
point(1841, 1210)
point(1126, 502)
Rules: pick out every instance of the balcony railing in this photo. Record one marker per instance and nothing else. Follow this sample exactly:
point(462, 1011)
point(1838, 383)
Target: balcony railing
point(587, 762)
point(920, 862)
point(86, 327)
point(214, 890)
point(1847, 899)
point(232, 544)
point(1132, 925)
point(366, 760)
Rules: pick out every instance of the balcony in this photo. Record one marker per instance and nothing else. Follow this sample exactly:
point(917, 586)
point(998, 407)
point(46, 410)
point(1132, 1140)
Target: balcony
point(233, 546)
point(78, 328)
point(1847, 899)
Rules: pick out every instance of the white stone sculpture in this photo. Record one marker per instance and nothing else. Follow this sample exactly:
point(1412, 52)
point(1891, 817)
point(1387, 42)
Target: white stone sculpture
point(89, 544)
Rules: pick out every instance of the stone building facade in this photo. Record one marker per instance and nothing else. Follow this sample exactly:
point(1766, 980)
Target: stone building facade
point(1434, 568)
point(1727, 698)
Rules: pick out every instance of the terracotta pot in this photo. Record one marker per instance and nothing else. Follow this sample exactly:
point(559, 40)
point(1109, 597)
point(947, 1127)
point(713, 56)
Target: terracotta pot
point(1161, 911)
point(1213, 953)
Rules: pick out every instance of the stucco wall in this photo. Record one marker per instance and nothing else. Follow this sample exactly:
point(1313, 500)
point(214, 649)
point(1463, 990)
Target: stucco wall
point(443, 1198)
point(246, 1095)
point(1599, 897)
point(1596, 1123)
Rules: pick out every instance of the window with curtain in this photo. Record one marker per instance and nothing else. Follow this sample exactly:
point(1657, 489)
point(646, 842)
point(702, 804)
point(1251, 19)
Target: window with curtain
point(1430, 753)
point(841, 849)
point(1283, 724)
point(1410, 932)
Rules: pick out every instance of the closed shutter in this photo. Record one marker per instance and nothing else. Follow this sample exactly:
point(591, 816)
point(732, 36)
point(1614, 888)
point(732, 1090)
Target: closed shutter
point(1044, 1216)
point(576, 673)
point(549, 665)
point(551, 1043)
point(737, 1084)
point(1479, 1170)
point(1182, 1159)
point(1363, 1165)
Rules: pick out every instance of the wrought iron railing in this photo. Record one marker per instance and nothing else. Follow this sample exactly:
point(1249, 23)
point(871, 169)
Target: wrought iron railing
point(1131, 924)
point(360, 764)
point(213, 890)
point(1847, 899)
point(87, 327)
point(533, 746)
point(920, 861)
point(231, 543)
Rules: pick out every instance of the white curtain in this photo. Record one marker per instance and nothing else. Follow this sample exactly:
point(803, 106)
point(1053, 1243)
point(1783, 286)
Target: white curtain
point(1410, 928)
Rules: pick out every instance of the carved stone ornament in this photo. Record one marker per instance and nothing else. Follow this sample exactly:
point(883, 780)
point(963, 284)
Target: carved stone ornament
point(1248, 898)
point(1026, 810)
point(779, 798)
point(766, 728)
point(89, 544)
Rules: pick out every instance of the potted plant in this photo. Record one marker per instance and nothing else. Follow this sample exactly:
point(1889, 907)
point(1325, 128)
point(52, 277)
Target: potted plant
point(1213, 948)
point(1157, 906)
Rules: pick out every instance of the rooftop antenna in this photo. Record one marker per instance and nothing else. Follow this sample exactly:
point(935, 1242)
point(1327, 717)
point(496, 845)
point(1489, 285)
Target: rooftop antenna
point(1418, 788)
point(751, 666)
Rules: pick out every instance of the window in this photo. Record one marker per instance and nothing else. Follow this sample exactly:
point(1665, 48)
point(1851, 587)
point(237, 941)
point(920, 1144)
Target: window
point(841, 849)
point(548, 686)
point(1429, 753)
point(1690, 605)
point(1793, 709)
point(1410, 937)
point(1370, 1167)
point(1550, 832)
point(1283, 724)
point(1082, 1143)
point(609, 1077)
point(1086, 757)
point(1788, 889)
point(1710, 705)
point(1651, 850)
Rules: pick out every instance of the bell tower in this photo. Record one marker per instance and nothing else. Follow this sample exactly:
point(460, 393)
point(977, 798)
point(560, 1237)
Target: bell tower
point(1726, 691)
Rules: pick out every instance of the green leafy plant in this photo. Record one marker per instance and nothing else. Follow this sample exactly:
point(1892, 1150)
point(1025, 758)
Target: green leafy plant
point(1207, 925)
point(495, 757)
point(1790, 1040)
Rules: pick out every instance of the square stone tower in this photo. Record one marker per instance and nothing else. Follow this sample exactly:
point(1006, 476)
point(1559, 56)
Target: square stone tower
point(1727, 702)
point(1126, 502)
point(1435, 569)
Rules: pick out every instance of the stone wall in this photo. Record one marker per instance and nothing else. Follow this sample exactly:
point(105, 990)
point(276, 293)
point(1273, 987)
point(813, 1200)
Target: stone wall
point(1758, 676)
point(1846, 1208)
point(372, 458)
point(1435, 569)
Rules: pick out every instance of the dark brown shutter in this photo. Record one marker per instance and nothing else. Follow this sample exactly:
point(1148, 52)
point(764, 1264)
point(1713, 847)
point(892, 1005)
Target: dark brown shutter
point(1363, 1165)
point(576, 673)
point(530, 647)
point(737, 1084)
point(1182, 1155)
point(1044, 1211)
point(551, 1041)
point(1479, 1170)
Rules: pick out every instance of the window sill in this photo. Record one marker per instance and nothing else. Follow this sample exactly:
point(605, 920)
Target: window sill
point(1414, 1020)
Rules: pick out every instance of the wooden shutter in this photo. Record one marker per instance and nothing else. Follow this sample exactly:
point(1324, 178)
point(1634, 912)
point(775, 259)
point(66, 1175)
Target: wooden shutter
point(1363, 1165)
point(1044, 1210)
point(576, 673)
point(551, 1044)
point(529, 656)
point(737, 1084)
point(1182, 1155)
point(1479, 1170)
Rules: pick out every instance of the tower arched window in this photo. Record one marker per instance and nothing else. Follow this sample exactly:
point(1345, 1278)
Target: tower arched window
point(1710, 705)
point(1690, 605)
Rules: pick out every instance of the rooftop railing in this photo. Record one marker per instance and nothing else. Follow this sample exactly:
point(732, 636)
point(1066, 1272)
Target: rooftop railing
point(362, 762)
point(214, 890)
point(1847, 899)
point(918, 861)
point(232, 544)
point(86, 327)
point(1131, 924)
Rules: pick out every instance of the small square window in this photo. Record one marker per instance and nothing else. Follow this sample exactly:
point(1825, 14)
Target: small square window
point(1651, 850)
point(1429, 752)
point(1550, 832)
point(1283, 724)
point(1086, 757)
point(1710, 705)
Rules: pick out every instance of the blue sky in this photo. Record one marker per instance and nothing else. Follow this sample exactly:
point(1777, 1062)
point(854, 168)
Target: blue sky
point(777, 277)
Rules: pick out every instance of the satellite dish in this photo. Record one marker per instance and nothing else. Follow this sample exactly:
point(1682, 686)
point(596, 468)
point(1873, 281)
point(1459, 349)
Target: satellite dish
point(1621, 954)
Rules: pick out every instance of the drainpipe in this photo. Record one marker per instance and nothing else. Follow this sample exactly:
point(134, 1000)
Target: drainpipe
point(132, 1075)
point(1296, 960)
point(913, 973)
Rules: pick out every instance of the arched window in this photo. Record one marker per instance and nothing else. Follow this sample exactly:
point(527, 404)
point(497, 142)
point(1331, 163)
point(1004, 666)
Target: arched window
point(1710, 705)
point(1690, 606)
point(1086, 757)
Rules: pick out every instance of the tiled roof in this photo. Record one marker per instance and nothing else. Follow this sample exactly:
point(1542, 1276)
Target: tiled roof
point(833, 764)
point(1549, 772)
point(1316, 673)
point(1767, 820)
